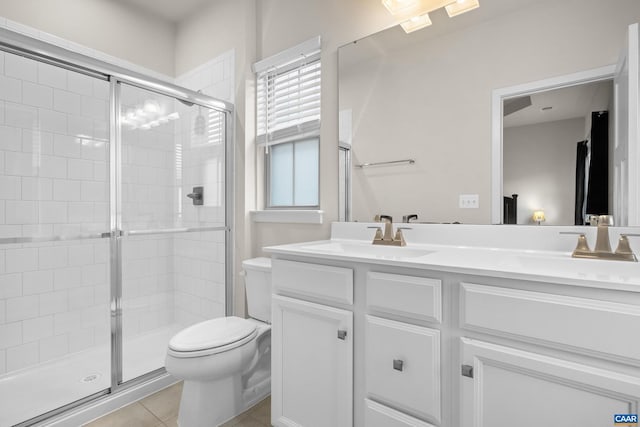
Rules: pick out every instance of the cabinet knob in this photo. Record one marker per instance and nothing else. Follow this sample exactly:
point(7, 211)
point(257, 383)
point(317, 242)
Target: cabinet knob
point(467, 371)
point(398, 364)
point(342, 335)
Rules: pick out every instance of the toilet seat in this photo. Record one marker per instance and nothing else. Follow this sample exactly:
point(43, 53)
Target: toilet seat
point(212, 336)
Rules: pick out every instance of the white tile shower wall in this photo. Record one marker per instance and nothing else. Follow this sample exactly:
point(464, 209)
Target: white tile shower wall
point(53, 296)
point(199, 276)
point(147, 288)
point(149, 196)
point(214, 78)
point(199, 261)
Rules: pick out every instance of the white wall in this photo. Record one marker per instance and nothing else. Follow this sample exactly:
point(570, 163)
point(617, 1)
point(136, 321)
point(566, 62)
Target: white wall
point(540, 167)
point(282, 24)
point(105, 25)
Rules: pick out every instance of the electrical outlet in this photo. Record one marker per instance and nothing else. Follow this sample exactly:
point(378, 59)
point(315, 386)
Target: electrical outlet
point(469, 201)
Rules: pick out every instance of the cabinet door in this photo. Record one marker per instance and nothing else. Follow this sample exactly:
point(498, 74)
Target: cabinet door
point(312, 364)
point(511, 387)
point(403, 366)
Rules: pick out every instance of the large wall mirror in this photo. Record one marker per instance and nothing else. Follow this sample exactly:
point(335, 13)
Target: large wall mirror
point(417, 112)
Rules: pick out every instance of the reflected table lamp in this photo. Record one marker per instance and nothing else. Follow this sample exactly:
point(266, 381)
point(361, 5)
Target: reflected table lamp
point(538, 216)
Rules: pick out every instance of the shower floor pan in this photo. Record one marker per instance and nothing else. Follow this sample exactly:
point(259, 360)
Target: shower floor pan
point(38, 389)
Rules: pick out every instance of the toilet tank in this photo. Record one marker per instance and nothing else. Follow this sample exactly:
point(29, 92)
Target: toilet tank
point(257, 283)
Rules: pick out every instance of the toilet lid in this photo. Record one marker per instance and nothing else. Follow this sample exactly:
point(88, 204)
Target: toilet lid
point(211, 334)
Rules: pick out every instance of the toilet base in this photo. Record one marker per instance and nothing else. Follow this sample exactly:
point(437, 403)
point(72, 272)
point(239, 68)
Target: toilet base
point(198, 412)
point(209, 404)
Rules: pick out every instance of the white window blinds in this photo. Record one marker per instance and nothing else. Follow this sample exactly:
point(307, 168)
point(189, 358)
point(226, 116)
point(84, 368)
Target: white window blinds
point(288, 96)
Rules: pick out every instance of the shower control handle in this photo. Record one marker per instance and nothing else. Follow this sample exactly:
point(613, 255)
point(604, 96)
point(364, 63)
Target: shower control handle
point(196, 196)
point(342, 335)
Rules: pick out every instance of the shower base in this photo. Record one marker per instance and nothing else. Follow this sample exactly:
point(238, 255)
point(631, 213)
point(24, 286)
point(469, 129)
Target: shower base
point(38, 389)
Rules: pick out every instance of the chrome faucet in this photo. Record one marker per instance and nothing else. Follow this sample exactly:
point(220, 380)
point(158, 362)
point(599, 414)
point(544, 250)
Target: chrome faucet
point(603, 246)
point(388, 237)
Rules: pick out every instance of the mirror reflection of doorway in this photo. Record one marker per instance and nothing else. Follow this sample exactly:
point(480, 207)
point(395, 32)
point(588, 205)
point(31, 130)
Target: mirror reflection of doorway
point(556, 152)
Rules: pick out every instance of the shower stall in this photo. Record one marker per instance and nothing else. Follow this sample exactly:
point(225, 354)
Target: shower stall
point(115, 225)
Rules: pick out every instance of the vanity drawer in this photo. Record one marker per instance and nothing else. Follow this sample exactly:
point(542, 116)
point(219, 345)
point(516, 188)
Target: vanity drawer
point(377, 415)
point(410, 296)
point(402, 367)
point(569, 322)
point(324, 282)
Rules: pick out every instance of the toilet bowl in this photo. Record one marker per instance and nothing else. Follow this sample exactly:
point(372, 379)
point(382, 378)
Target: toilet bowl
point(226, 362)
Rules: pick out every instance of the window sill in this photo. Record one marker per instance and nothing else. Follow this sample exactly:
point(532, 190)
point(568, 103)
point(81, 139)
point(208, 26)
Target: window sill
point(300, 216)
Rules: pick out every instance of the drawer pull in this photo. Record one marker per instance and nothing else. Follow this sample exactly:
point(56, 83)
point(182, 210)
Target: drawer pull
point(467, 371)
point(398, 364)
point(342, 335)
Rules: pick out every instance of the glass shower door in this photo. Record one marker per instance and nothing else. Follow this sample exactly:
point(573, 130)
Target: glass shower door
point(54, 238)
point(172, 216)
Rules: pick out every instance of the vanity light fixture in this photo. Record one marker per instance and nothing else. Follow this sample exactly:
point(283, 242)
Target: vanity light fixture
point(461, 6)
point(416, 12)
point(410, 8)
point(400, 7)
point(416, 23)
point(538, 216)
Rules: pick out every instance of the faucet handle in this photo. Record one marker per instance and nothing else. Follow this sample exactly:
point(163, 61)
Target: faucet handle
point(378, 235)
point(624, 248)
point(583, 246)
point(399, 237)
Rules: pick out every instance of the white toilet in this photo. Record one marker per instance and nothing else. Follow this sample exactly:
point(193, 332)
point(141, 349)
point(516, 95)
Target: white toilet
point(226, 363)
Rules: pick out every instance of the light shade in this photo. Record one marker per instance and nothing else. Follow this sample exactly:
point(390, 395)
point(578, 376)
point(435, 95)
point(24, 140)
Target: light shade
point(461, 6)
point(416, 23)
point(409, 8)
point(538, 216)
point(400, 7)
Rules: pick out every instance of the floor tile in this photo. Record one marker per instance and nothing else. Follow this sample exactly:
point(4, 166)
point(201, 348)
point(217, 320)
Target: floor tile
point(262, 411)
point(173, 422)
point(134, 415)
point(165, 403)
point(244, 420)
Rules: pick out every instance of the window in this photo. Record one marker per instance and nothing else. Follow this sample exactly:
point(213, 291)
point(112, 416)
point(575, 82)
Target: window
point(288, 103)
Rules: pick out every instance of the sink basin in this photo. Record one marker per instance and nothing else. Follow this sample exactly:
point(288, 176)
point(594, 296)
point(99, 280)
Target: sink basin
point(366, 250)
point(601, 269)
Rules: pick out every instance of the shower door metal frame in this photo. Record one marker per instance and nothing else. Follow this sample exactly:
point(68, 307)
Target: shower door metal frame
point(41, 51)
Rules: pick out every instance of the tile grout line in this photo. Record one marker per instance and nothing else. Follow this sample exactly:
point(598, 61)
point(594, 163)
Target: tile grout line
point(151, 412)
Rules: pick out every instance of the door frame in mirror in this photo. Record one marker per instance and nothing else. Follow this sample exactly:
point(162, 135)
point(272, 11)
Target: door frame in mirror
point(497, 98)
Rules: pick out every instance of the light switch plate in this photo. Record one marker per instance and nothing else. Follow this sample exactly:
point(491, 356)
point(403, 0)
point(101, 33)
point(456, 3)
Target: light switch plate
point(469, 201)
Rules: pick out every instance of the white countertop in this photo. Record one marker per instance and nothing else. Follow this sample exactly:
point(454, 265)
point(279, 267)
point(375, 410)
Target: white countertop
point(512, 263)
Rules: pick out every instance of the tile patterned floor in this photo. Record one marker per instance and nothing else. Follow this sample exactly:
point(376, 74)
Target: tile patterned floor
point(161, 410)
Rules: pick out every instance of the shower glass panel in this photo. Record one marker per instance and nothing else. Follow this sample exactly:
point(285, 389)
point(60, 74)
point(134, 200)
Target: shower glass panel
point(172, 213)
point(54, 255)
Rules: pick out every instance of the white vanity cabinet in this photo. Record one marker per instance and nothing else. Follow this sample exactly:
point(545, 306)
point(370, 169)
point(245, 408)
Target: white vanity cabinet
point(583, 368)
point(343, 356)
point(382, 344)
point(312, 346)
